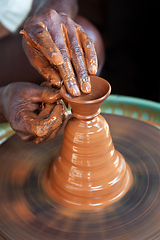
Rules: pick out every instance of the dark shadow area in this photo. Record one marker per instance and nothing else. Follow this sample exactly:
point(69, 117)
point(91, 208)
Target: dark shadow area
point(14, 64)
point(130, 30)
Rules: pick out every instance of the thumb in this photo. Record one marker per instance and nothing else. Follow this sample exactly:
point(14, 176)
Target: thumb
point(43, 94)
point(50, 95)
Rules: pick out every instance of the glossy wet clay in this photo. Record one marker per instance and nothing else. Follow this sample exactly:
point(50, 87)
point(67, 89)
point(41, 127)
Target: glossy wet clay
point(88, 173)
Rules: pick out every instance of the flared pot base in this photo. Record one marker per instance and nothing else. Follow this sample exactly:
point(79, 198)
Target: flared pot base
point(88, 172)
point(88, 203)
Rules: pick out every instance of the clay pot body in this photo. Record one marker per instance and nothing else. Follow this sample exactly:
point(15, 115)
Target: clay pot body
point(88, 172)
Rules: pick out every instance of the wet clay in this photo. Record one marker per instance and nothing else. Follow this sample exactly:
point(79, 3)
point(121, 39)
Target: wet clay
point(61, 52)
point(88, 172)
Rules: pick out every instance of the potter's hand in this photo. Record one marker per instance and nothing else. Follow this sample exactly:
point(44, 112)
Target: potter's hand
point(34, 112)
point(55, 44)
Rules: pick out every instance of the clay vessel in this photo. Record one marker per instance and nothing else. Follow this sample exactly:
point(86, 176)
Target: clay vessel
point(88, 172)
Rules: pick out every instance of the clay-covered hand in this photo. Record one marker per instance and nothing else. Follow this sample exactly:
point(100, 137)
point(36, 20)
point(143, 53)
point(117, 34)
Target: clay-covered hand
point(60, 50)
point(34, 112)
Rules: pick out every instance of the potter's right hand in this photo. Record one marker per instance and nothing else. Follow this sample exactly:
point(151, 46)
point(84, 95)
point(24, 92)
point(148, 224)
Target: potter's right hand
point(59, 49)
point(34, 112)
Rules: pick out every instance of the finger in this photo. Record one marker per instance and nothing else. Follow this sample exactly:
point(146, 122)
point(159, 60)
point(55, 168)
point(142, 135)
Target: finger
point(27, 116)
point(52, 135)
point(50, 96)
point(35, 127)
point(43, 127)
point(39, 62)
point(30, 106)
point(55, 78)
point(23, 126)
point(43, 42)
point(38, 94)
point(65, 67)
point(60, 39)
point(46, 84)
point(77, 57)
point(38, 140)
point(49, 137)
point(45, 112)
point(89, 49)
point(69, 79)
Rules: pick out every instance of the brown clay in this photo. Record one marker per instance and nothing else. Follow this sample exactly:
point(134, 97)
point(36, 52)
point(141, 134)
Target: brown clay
point(88, 172)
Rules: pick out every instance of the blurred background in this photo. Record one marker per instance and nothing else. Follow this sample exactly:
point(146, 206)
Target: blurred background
point(130, 30)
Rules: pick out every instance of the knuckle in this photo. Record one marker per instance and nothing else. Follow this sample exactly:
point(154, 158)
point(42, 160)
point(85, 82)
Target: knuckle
point(83, 72)
point(89, 43)
point(50, 14)
point(31, 22)
point(63, 52)
point(76, 49)
point(67, 20)
point(62, 57)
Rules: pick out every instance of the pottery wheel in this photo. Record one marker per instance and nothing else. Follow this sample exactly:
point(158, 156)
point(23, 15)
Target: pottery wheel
point(27, 212)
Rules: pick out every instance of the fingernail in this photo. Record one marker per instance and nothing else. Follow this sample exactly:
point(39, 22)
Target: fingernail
point(86, 87)
point(57, 58)
point(74, 91)
point(93, 69)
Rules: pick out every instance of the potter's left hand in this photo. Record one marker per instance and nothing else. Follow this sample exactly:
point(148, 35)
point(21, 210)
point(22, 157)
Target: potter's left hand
point(34, 112)
point(59, 49)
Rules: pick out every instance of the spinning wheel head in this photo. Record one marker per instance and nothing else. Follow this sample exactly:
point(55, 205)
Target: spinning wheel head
point(27, 212)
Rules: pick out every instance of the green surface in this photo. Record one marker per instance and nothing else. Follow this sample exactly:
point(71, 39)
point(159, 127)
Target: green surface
point(5, 132)
point(133, 107)
point(120, 105)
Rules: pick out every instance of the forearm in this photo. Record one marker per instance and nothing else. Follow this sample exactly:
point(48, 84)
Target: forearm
point(2, 117)
point(70, 7)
